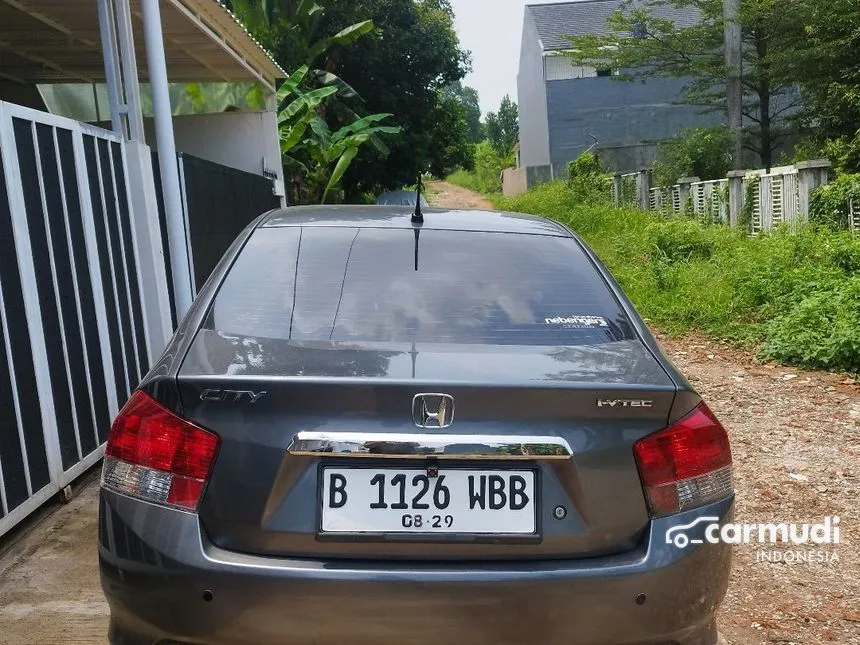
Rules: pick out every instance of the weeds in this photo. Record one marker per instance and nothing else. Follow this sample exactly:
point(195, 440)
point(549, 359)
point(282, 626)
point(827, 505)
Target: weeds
point(486, 176)
point(794, 296)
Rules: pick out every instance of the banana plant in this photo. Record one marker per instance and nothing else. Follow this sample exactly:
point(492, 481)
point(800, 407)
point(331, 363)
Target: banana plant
point(304, 134)
point(308, 97)
point(302, 17)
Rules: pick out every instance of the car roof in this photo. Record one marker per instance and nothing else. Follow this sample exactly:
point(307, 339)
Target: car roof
point(400, 217)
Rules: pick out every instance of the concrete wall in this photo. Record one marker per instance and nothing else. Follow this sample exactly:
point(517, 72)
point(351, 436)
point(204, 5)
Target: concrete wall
point(623, 117)
point(627, 157)
point(532, 99)
point(514, 181)
point(243, 140)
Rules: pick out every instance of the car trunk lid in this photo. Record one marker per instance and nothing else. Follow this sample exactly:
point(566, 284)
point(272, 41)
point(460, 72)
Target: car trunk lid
point(296, 417)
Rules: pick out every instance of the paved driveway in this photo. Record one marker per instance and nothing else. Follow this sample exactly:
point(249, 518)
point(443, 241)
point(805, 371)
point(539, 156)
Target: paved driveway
point(49, 582)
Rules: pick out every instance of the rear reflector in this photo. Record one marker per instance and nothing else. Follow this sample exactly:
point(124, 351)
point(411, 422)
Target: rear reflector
point(686, 465)
point(155, 455)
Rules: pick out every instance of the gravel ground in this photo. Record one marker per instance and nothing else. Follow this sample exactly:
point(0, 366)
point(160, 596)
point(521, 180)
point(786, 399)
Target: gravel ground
point(796, 443)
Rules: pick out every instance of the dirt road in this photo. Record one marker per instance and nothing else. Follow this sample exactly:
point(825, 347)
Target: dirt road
point(445, 195)
point(796, 442)
point(796, 446)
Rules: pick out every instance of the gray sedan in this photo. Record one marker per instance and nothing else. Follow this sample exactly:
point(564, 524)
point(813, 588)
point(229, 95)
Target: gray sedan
point(374, 430)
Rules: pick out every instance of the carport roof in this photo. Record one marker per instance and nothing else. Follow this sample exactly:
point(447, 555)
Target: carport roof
point(57, 41)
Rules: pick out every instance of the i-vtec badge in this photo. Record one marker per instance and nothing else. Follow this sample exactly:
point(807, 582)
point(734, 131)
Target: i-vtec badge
point(624, 403)
point(231, 396)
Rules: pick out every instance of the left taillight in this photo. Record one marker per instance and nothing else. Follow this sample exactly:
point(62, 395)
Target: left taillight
point(155, 455)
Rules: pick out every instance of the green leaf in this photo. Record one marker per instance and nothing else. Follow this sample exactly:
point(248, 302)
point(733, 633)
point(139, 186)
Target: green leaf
point(194, 93)
point(352, 33)
point(307, 8)
point(292, 83)
point(321, 129)
point(340, 170)
point(286, 115)
point(360, 124)
point(380, 146)
point(315, 97)
point(386, 129)
point(344, 89)
point(256, 97)
point(291, 137)
point(290, 161)
point(343, 37)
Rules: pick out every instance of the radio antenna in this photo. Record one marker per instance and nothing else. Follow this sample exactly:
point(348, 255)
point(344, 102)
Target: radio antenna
point(418, 216)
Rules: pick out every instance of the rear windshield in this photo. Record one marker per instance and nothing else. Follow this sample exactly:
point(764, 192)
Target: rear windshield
point(387, 285)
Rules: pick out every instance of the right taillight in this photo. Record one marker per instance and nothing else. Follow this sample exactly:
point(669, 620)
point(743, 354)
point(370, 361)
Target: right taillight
point(686, 465)
point(155, 455)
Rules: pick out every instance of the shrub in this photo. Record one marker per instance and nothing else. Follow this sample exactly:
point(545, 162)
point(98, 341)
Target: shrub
point(695, 152)
point(587, 179)
point(820, 331)
point(794, 296)
point(679, 240)
point(828, 205)
point(843, 152)
point(488, 166)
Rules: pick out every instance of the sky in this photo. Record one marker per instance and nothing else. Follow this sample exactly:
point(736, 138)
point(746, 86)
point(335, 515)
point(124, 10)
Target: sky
point(492, 30)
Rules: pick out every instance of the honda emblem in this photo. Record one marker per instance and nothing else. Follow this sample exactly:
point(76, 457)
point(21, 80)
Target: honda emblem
point(433, 410)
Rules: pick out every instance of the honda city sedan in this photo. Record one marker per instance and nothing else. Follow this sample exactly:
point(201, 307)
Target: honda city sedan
point(373, 428)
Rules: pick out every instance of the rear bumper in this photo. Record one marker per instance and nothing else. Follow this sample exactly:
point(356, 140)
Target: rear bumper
point(165, 582)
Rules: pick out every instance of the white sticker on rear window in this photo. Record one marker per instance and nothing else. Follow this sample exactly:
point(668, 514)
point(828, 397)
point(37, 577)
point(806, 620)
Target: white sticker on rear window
point(577, 322)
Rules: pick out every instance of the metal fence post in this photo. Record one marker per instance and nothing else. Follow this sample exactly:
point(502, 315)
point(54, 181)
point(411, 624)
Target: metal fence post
point(616, 189)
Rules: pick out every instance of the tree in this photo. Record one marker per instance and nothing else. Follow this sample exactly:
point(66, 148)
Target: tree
point(468, 98)
point(825, 66)
point(401, 70)
point(400, 67)
point(503, 127)
point(643, 44)
point(309, 145)
point(291, 29)
point(452, 146)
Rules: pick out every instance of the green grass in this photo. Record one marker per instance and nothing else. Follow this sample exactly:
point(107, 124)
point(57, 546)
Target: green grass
point(796, 297)
point(470, 180)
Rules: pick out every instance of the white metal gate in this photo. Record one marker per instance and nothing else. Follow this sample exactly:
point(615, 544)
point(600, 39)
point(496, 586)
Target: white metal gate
point(72, 323)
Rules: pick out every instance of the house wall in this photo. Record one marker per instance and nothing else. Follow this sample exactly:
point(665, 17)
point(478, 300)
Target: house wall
point(627, 119)
point(532, 99)
point(242, 140)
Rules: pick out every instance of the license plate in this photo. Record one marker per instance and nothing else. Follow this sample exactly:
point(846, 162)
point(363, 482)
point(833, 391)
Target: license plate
point(405, 500)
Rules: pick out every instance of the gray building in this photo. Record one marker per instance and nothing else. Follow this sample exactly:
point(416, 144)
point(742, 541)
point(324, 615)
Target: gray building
point(566, 109)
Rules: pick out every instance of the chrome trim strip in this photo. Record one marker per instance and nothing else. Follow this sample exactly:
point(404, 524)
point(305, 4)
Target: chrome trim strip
point(383, 445)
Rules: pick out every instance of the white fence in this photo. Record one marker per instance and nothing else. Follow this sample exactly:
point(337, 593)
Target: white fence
point(76, 334)
point(854, 217)
point(710, 199)
point(757, 199)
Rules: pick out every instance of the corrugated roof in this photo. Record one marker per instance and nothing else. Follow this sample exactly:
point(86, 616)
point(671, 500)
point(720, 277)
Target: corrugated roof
point(58, 41)
point(584, 17)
